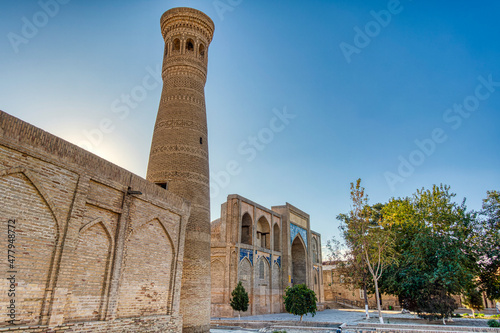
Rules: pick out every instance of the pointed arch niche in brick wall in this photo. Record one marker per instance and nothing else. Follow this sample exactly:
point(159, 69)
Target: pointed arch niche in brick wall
point(91, 273)
point(218, 277)
point(147, 272)
point(245, 272)
point(37, 235)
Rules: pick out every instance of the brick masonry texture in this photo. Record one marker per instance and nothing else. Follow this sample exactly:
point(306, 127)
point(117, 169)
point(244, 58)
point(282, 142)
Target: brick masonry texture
point(253, 244)
point(179, 150)
point(89, 256)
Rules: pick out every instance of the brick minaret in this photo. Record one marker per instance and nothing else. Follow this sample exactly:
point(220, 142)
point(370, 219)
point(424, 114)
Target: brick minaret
point(179, 152)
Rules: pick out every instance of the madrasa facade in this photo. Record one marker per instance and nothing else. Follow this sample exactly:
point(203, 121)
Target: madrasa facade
point(267, 250)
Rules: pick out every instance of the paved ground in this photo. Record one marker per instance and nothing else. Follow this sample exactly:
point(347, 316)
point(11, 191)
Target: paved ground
point(348, 316)
point(330, 315)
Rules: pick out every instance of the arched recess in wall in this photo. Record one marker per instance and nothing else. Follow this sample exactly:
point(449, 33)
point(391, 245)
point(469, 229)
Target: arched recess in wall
point(276, 234)
point(147, 272)
point(276, 299)
point(263, 270)
point(262, 282)
point(34, 221)
point(315, 250)
point(246, 229)
point(276, 276)
point(263, 233)
point(233, 271)
point(91, 272)
point(218, 274)
point(316, 283)
point(298, 260)
point(245, 276)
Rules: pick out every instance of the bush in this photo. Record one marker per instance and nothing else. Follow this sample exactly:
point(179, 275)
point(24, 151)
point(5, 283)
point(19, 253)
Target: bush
point(493, 323)
point(480, 315)
point(439, 305)
point(239, 300)
point(300, 300)
point(456, 315)
point(495, 316)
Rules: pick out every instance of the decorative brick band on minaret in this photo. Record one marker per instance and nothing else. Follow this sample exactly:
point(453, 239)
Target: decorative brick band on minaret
point(179, 151)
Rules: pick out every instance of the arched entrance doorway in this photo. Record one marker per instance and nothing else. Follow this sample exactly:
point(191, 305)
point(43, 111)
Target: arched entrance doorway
point(298, 261)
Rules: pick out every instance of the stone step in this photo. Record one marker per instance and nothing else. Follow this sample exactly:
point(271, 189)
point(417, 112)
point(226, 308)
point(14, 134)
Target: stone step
point(401, 328)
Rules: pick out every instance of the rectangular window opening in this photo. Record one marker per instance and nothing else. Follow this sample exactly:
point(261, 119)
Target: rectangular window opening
point(163, 185)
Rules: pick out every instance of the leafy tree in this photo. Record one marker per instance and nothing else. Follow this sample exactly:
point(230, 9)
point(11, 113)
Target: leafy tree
point(354, 273)
point(368, 237)
point(239, 299)
point(473, 300)
point(491, 208)
point(434, 258)
point(300, 300)
point(488, 243)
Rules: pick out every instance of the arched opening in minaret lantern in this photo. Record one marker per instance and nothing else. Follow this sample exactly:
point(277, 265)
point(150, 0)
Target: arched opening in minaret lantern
point(190, 45)
point(176, 44)
point(201, 51)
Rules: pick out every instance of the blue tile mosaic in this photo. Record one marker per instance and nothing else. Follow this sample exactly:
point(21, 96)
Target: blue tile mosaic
point(265, 255)
point(278, 261)
point(246, 253)
point(294, 230)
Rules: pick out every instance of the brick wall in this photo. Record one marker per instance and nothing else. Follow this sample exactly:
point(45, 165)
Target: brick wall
point(89, 256)
point(336, 289)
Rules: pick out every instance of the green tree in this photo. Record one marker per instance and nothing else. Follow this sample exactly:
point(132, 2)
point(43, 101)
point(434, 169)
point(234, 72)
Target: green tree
point(488, 243)
point(473, 299)
point(300, 300)
point(435, 259)
point(491, 208)
point(368, 237)
point(354, 273)
point(239, 299)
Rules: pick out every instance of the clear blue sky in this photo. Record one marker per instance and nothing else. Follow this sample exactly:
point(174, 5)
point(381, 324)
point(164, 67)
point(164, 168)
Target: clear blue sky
point(359, 100)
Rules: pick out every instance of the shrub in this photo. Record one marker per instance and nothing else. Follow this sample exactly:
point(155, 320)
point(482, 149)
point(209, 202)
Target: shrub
point(239, 299)
point(300, 300)
point(493, 323)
